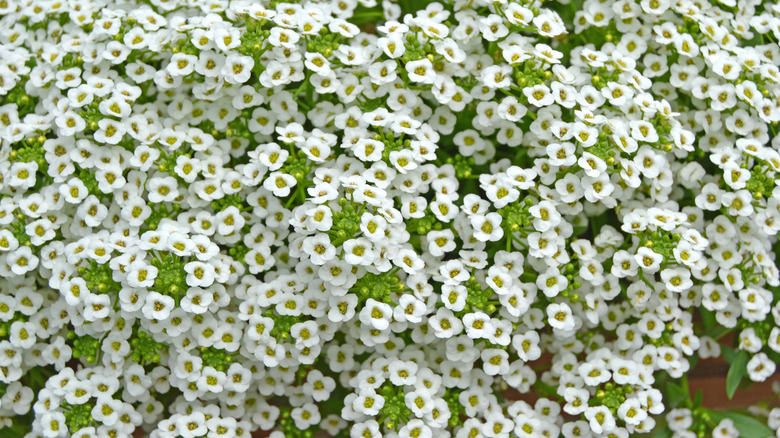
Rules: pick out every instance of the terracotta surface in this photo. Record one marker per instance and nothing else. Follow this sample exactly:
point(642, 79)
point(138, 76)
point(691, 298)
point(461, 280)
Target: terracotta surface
point(710, 377)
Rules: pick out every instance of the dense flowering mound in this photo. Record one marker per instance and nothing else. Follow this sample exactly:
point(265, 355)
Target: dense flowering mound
point(385, 219)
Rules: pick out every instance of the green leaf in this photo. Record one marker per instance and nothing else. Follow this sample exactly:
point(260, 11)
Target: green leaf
point(693, 360)
point(675, 394)
point(728, 353)
point(698, 398)
point(775, 291)
point(579, 230)
point(737, 371)
point(15, 431)
point(717, 332)
point(708, 318)
point(662, 433)
point(748, 426)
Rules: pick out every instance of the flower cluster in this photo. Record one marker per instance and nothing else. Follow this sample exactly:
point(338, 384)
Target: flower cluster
point(371, 219)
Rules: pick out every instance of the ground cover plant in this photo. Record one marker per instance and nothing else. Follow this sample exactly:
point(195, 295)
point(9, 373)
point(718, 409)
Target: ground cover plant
point(362, 219)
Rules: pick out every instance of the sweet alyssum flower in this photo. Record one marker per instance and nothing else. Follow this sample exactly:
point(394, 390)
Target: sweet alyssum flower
point(366, 218)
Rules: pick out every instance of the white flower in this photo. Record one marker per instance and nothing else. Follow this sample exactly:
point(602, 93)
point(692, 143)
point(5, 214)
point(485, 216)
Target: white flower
point(445, 324)
point(211, 379)
point(54, 425)
point(194, 423)
point(283, 38)
point(279, 183)
point(527, 345)
point(725, 429)
point(306, 416)
point(392, 45)
point(21, 260)
point(319, 249)
point(157, 306)
point(549, 24)
point(560, 316)
point(512, 110)
point(358, 251)
point(477, 325)
point(487, 228)
point(106, 411)
point(594, 373)
point(421, 71)
point(237, 68)
point(495, 361)
point(600, 419)
point(367, 429)
point(551, 282)
point(368, 402)
point(539, 95)
point(419, 401)
point(496, 76)
point(197, 300)
point(40, 231)
point(305, 334)
point(74, 191)
point(110, 131)
point(415, 428)
point(23, 175)
point(576, 400)
point(631, 412)
point(318, 385)
point(403, 373)
point(441, 242)
point(141, 275)
point(493, 28)
point(22, 334)
point(760, 367)
point(679, 419)
point(199, 274)
point(648, 260)
point(412, 309)
point(677, 279)
point(70, 123)
point(96, 307)
point(376, 314)
point(643, 131)
point(453, 272)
